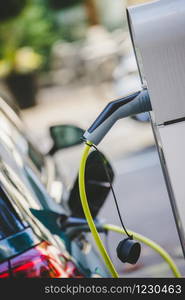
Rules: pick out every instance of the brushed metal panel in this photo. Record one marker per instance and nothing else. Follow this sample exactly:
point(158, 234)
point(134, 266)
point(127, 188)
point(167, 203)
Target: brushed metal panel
point(172, 141)
point(159, 38)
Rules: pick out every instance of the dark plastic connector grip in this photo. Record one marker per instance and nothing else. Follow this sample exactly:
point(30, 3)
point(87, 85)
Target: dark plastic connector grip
point(131, 105)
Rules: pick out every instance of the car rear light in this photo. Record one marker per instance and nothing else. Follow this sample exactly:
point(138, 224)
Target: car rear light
point(43, 261)
point(4, 270)
point(72, 270)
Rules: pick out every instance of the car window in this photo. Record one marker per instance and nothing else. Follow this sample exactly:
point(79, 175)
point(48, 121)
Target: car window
point(40, 192)
point(35, 156)
point(18, 181)
point(9, 221)
point(21, 142)
point(32, 163)
point(22, 177)
point(37, 187)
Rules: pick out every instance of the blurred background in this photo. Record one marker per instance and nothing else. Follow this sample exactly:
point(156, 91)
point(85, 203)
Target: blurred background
point(61, 62)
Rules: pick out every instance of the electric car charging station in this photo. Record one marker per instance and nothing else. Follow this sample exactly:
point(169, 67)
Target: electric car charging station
point(54, 221)
point(157, 31)
point(158, 38)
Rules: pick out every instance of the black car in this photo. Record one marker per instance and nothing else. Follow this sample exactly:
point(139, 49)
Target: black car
point(39, 236)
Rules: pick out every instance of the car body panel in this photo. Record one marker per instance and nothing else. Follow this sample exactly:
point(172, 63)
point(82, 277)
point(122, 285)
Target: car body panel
point(23, 182)
point(17, 244)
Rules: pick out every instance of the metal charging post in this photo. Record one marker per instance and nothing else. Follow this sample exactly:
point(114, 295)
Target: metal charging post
point(158, 36)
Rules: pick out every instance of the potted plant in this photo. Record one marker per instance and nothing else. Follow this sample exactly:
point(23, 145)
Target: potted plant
point(25, 44)
point(21, 75)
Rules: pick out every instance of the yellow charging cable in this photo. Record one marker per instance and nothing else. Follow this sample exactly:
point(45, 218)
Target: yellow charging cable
point(88, 215)
point(117, 229)
point(149, 243)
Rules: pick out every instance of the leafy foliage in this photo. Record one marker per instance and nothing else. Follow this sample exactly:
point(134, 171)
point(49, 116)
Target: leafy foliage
point(33, 28)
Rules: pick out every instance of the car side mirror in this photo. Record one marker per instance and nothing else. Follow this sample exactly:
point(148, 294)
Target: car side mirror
point(65, 136)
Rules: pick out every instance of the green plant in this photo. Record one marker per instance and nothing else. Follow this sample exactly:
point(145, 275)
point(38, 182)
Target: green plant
point(32, 32)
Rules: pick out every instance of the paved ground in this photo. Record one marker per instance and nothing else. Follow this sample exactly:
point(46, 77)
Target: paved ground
point(145, 208)
point(139, 183)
